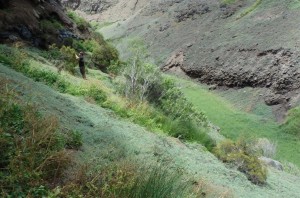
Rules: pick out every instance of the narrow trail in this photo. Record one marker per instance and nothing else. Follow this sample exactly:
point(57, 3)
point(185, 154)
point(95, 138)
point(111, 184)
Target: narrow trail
point(107, 138)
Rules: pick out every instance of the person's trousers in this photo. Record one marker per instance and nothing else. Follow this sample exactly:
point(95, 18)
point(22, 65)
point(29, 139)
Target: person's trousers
point(82, 71)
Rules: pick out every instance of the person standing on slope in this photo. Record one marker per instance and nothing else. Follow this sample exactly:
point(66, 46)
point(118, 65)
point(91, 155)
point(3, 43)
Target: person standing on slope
point(80, 59)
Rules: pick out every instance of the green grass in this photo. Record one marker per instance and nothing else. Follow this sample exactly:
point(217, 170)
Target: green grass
point(250, 9)
point(144, 114)
point(292, 124)
point(294, 5)
point(235, 123)
point(228, 1)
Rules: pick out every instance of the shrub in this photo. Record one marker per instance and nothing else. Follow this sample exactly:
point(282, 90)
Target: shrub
point(138, 78)
point(73, 139)
point(80, 22)
point(103, 55)
point(173, 102)
point(97, 94)
point(116, 67)
point(188, 130)
point(241, 155)
point(68, 55)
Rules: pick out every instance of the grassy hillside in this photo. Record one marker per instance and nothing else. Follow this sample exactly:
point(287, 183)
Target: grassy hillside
point(235, 123)
point(109, 139)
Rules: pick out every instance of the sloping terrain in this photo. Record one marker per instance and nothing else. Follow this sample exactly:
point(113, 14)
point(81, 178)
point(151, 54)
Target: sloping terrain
point(107, 138)
point(236, 44)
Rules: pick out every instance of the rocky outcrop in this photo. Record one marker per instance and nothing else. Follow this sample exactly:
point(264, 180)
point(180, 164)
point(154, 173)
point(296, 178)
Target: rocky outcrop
point(23, 20)
point(271, 163)
point(89, 6)
point(191, 10)
point(280, 71)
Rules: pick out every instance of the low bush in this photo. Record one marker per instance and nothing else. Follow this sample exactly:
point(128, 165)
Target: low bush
point(97, 94)
point(188, 130)
point(80, 22)
point(241, 155)
point(72, 139)
point(173, 102)
point(103, 55)
point(68, 55)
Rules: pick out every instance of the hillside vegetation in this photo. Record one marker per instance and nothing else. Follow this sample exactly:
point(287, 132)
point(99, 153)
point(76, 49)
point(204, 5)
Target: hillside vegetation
point(107, 139)
point(129, 130)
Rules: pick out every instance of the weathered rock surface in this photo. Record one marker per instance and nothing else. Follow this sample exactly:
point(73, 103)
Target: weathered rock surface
point(272, 163)
point(20, 19)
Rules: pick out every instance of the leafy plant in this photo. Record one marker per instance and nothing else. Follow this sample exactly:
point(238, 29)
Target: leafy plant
point(103, 55)
point(72, 139)
point(68, 55)
point(241, 155)
point(81, 23)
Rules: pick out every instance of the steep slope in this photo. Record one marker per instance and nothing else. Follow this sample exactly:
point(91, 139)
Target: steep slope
point(107, 138)
point(243, 43)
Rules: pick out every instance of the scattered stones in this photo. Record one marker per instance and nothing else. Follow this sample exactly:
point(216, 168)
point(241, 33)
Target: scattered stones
point(164, 27)
point(176, 60)
point(272, 163)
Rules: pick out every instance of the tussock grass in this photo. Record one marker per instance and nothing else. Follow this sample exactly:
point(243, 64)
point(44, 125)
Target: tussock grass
point(127, 180)
point(32, 154)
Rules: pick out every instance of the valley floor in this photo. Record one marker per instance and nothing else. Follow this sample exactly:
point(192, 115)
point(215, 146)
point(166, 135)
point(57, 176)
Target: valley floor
point(108, 138)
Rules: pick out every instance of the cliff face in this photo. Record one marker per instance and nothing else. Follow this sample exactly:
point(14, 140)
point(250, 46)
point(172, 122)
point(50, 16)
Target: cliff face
point(32, 20)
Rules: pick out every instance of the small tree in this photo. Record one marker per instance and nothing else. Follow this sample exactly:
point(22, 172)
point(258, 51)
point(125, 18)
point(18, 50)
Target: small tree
point(139, 77)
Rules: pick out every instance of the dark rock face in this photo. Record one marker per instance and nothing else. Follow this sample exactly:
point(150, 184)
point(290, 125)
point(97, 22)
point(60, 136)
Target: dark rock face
point(280, 71)
point(24, 32)
point(191, 10)
point(90, 6)
point(23, 20)
point(4, 4)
